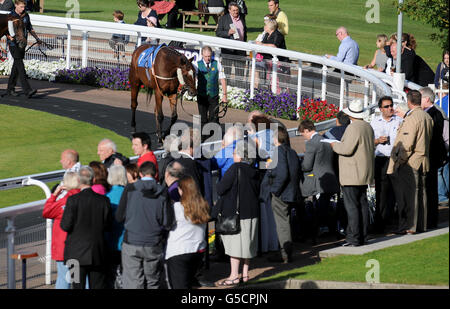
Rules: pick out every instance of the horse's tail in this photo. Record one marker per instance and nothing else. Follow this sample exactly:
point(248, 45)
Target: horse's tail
point(149, 92)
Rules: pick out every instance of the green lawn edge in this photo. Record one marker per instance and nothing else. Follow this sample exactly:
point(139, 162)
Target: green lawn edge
point(32, 141)
point(423, 262)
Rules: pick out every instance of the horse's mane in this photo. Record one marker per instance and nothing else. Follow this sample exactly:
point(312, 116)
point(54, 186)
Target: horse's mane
point(4, 18)
point(175, 53)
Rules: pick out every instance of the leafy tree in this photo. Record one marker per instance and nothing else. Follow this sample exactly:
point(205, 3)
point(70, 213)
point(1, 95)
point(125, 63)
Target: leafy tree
point(433, 12)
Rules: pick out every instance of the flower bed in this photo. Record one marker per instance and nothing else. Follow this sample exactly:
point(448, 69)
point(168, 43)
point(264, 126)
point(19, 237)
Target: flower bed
point(283, 105)
point(317, 110)
point(36, 69)
point(106, 78)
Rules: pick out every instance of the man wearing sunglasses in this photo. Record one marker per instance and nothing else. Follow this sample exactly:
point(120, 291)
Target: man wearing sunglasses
point(385, 127)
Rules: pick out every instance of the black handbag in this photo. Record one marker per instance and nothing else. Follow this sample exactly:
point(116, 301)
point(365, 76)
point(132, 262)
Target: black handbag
point(230, 225)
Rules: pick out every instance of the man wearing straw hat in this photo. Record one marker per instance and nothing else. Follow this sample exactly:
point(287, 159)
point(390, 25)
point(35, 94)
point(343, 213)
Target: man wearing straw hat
point(356, 171)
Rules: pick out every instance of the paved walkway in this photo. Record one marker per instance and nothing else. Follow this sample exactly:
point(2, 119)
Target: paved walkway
point(110, 109)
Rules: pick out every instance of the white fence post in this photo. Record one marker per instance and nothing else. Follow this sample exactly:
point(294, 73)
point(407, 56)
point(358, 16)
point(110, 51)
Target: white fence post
point(252, 76)
point(274, 74)
point(299, 85)
point(324, 82)
point(10, 231)
point(48, 230)
point(84, 50)
point(69, 45)
point(374, 94)
point(366, 93)
point(341, 91)
point(139, 39)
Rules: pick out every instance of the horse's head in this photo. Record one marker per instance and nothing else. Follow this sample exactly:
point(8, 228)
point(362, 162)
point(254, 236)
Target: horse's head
point(16, 30)
point(186, 76)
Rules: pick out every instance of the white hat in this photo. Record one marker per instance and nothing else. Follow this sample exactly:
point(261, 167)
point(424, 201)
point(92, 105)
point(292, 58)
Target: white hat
point(356, 110)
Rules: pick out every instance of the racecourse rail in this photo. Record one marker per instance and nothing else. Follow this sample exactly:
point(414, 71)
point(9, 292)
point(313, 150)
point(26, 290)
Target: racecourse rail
point(382, 84)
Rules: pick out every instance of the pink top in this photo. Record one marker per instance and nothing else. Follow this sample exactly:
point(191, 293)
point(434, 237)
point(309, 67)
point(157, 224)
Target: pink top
point(239, 27)
point(98, 188)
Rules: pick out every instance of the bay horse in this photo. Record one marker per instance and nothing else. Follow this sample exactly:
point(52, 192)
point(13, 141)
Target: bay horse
point(171, 72)
point(10, 23)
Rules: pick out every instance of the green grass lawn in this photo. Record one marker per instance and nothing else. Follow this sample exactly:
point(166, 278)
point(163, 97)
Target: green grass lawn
point(32, 141)
point(312, 23)
point(421, 262)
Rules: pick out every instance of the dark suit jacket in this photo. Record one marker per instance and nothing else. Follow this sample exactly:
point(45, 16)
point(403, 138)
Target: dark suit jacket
point(437, 146)
point(317, 165)
point(224, 27)
point(162, 165)
point(110, 160)
point(423, 74)
point(284, 177)
point(408, 57)
point(86, 217)
point(192, 169)
point(205, 168)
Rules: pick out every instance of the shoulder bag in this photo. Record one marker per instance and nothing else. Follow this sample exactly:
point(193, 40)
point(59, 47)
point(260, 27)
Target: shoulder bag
point(230, 225)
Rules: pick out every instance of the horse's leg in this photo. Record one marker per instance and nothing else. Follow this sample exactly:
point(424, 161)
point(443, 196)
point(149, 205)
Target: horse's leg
point(159, 115)
point(174, 115)
point(135, 84)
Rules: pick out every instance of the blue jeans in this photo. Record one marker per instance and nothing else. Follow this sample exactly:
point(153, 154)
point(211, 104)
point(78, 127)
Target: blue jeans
point(61, 282)
point(443, 183)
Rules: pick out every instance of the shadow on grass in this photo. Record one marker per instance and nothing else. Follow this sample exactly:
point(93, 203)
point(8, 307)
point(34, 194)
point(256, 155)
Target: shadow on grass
point(281, 278)
point(64, 12)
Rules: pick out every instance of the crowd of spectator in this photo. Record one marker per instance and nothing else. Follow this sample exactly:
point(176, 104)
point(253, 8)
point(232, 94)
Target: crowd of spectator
point(124, 222)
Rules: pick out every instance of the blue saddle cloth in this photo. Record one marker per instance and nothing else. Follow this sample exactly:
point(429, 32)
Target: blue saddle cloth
point(147, 57)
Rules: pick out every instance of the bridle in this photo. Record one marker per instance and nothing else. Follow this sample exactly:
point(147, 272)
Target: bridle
point(222, 106)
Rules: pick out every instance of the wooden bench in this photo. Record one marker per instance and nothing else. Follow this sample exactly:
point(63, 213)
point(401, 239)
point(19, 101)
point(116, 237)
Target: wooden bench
point(23, 256)
point(201, 20)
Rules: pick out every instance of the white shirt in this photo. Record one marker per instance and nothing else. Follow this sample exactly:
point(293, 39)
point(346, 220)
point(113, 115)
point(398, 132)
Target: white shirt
point(389, 128)
point(219, 68)
point(186, 237)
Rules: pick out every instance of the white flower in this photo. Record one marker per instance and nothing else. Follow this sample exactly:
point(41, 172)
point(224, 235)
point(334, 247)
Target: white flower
point(37, 69)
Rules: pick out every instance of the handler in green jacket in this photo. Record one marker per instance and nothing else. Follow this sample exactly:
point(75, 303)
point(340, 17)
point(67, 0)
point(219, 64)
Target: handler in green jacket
point(209, 72)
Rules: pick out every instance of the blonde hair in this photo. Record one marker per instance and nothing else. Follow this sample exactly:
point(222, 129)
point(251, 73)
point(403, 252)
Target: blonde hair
point(117, 175)
point(71, 180)
point(196, 208)
point(403, 107)
point(383, 39)
point(272, 24)
point(233, 133)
